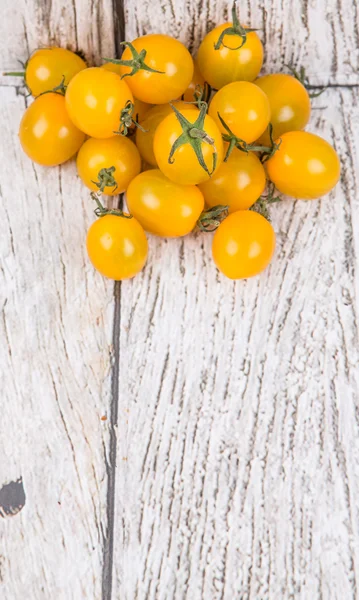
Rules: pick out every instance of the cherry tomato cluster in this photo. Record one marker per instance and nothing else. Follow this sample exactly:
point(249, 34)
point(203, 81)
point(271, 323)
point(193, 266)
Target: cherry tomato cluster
point(194, 144)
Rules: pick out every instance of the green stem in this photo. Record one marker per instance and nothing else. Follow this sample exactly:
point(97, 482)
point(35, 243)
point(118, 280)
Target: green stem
point(304, 80)
point(236, 29)
point(106, 179)
point(14, 73)
point(211, 218)
point(236, 142)
point(194, 135)
point(263, 204)
point(135, 64)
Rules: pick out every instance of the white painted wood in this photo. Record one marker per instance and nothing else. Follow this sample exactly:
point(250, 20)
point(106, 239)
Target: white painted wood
point(238, 438)
point(321, 35)
point(56, 332)
point(238, 431)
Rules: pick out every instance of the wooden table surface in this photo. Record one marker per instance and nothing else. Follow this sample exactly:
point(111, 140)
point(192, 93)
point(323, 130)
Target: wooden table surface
point(228, 463)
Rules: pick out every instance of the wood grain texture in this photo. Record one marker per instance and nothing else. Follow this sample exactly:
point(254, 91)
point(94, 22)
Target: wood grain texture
point(238, 429)
point(323, 36)
point(56, 330)
point(239, 447)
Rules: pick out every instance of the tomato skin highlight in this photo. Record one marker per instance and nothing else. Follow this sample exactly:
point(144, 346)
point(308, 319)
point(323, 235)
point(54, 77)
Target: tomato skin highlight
point(48, 67)
point(185, 168)
point(117, 247)
point(243, 244)
point(237, 183)
point(305, 166)
point(118, 152)
point(144, 139)
point(47, 135)
point(244, 107)
point(223, 66)
point(95, 98)
point(163, 53)
point(289, 104)
point(164, 208)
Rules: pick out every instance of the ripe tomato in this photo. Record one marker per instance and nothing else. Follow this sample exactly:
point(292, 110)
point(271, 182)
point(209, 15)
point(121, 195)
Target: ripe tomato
point(144, 139)
point(95, 98)
point(47, 68)
point(289, 104)
point(117, 246)
point(229, 63)
point(197, 80)
point(244, 107)
point(243, 244)
point(140, 108)
point(185, 167)
point(47, 134)
point(118, 152)
point(163, 207)
point(238, 183)
point(165, 54)
point(305, 166)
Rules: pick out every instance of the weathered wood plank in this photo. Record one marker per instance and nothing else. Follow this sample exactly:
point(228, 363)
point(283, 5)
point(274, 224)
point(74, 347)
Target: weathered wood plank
point(239, 445)
point(56, 327)
point(322, 36)
point(238, 431)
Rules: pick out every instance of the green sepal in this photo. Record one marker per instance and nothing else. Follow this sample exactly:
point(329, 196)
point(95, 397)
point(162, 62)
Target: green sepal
point(194, 134)
point(236, 142)
point(236, 29)
point(136, 63)
point(304, 80)
point(211, 218)
point(262, 205)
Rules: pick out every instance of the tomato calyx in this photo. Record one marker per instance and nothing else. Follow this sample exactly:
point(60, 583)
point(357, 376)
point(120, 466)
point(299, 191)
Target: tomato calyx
point(211, 218)
point(106, 179)
point(237, 142)
point(235, 29)
point(194, 134)
point(127, 120)
point(136, 63)
point(304, 80)
point(262, 205)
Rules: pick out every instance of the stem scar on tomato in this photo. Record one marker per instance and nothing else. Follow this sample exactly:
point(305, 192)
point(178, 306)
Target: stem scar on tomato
point(194, 134)
point(211, 218)
point(126, 119)
point(136, 63)
point(235, 29)
point(106, 179)
point(236, 142)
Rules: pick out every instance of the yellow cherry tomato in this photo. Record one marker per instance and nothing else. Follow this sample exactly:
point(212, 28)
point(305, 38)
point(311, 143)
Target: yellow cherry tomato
point(243, 244)
point(117, 247)
point(47, 135)
point(163, 207)
point(244, 107)
point(140, 108)
point(237, 183)
point(184, 167)
point(164, 54)
point(47, 68)
point(197, 80)
point(144, 139)
point(289, 104)
point(118, 152)
point(95, 98)
point(229, 63)
point(305, 166)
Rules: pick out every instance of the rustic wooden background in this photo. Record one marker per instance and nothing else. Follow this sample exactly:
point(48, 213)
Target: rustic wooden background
point(228, 465)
